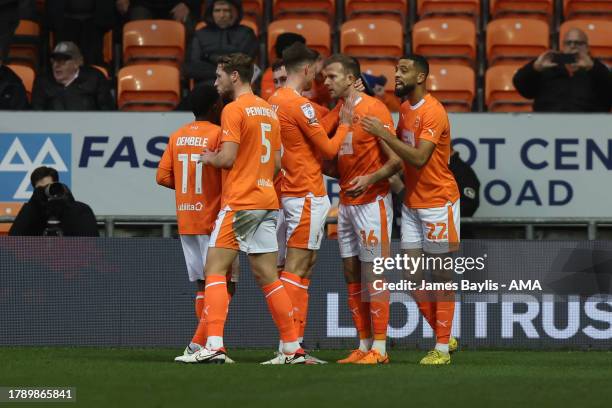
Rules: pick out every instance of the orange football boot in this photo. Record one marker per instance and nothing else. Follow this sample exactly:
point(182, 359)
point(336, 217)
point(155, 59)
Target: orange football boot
point(355, 356)
point(373, 357)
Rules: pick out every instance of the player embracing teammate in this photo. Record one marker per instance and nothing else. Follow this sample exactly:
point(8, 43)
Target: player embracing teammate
point(430, 214)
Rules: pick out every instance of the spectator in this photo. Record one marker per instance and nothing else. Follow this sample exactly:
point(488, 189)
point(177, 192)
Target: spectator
point(12, 92)
point(283, 41)
point(222, 35)
point(83, 22)
point(9, 19)
point(469, 185)
point(52, 210)
point(377, 85)
point(176, 10)
point(279, 74)
point(582, 86)
point(71, 86)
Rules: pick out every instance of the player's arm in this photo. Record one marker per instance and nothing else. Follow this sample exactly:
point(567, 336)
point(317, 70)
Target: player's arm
point(331, 120)
point(314, 131)
point(415, 156)
point(165, 172)
point(224, 158)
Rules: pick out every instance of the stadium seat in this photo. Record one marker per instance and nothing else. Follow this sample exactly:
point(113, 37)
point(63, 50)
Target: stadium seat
point(148, 88)
point(316, 32)
point(27, 76)
point(8, 208)
point(453, 85)
point(380, 68)
point(397, 9)
point(600, 9)
point(367, 38)
point(456, 8)
point(108, 47)
point(253, 9)
point(514, 40)
point(321, 9)
point(445, 39)
point(102, 69)
point(541, 9)
point(599, 33)
point(157, 41)
point(245, 21)
point(500, 94)
point(24, 47)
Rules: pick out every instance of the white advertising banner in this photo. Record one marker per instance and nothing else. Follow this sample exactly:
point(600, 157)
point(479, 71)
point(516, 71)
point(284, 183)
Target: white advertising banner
point(528, 165)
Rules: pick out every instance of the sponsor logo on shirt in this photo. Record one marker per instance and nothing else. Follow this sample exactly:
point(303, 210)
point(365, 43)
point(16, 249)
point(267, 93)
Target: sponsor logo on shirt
point(190, 207)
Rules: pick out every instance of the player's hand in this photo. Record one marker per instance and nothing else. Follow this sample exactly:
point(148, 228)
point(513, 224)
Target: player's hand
point(207, 157)
point(347, 111)
point(584, 61)
point(180, 12)
point(359, 185)
point(122, 6)
point(359, 85)
point(374, 126)
point(544, 61)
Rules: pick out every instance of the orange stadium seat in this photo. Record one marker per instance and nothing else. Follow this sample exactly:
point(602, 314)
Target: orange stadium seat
point(541, 9)
point(453, 85)
point(316, 32)
point(254, 9)
point(516, 40)
point(24, 47)
point(27, 76)
point(321, 9)
point(367, 38)
point(599, 33)
point(158, 41)
point(600, 9)
point(500, 94)
point(373, 8)
point(445, 39)
point(252, 24)
point(8, 208)
point(148, 88)
point(458, 8)
point(377, 68)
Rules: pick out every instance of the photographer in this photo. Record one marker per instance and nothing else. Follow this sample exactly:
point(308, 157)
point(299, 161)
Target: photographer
point(52, 210)
point(567, 81)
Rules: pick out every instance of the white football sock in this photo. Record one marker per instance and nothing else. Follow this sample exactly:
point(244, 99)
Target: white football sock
point(214, 342)
point(442, 347)
point(291, 348)
point(280, 346)
point(365, 344)
point(380, 346)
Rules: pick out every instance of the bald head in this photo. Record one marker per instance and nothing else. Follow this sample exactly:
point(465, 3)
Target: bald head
point(575, 40)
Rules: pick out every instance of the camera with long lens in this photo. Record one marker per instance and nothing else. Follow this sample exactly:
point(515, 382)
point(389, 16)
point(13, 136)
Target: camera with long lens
point(57, 195)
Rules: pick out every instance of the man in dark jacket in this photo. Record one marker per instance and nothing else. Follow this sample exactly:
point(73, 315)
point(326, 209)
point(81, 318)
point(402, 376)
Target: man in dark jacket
point(583, 86)
point(222, 35)
point(469, 185)
point(71, 86)
point(178, 10)
point(12, 92)
point(52, 210)
point(83, 22)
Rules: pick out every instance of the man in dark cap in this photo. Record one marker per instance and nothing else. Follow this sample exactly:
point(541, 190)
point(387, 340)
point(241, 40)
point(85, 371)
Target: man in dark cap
point(71, 86)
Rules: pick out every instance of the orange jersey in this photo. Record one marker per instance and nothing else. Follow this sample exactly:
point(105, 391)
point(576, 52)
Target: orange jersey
point(361, 153)
point(252, 123)
point(305, 144)
point(434, 184)
point(197, 187)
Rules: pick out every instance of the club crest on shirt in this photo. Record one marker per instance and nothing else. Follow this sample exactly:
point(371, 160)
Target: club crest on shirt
point(309, 112)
